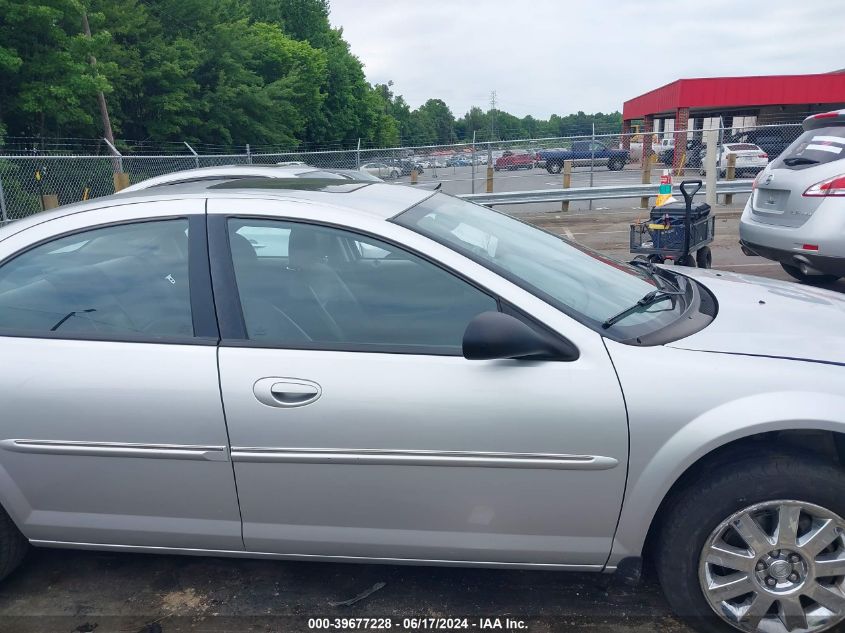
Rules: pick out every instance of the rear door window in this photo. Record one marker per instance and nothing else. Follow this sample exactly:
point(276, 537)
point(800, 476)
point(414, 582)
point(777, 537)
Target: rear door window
point(128, 279)
point(814, 147)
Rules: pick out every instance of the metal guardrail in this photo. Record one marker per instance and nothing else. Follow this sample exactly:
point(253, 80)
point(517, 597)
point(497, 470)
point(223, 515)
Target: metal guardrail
point(596, 193)
point(583, 193)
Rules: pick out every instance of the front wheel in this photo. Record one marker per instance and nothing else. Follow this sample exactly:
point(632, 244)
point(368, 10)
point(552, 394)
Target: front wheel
point(616, 164)
point(554, 168)
point(795, 272)
point(13, 545)
point(757, 544)
point(704, 257)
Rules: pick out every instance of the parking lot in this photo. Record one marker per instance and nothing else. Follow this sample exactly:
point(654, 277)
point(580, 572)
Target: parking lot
point(73, 591)
point(459, 180)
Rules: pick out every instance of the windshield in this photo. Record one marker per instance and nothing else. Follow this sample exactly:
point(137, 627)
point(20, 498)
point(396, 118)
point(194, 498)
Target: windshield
point(579, 281)
point(822, 145)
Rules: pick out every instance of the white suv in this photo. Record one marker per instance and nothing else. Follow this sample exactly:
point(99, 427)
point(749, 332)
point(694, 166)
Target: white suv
point(796, 213)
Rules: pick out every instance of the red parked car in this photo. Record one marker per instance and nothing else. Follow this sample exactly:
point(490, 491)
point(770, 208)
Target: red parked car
point(514, 160)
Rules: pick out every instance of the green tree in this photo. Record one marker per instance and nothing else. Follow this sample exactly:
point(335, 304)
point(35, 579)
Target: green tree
point(258, 85)
point(45, 78)
point(435, 121)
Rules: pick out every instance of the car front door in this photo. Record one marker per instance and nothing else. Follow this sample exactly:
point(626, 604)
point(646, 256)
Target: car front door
point(112, 429)
point(358, 430)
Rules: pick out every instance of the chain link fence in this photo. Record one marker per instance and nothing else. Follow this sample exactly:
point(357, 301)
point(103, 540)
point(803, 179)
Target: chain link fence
point(29, 182)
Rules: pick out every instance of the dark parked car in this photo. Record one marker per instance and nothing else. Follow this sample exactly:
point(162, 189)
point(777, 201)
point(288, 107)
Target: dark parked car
point(693, 157)
point(458, 161)
point(772, 140)
point(406, 166)
point(584, 153)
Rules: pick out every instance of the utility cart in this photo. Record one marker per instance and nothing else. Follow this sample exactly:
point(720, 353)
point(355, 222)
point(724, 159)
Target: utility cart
point(677, 231)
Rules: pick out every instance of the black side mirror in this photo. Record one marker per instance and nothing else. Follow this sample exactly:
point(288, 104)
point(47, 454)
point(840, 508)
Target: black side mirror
point(492, 335)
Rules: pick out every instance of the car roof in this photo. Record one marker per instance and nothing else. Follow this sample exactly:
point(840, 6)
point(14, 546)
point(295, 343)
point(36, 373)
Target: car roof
point(372, 199)
point(824, 119)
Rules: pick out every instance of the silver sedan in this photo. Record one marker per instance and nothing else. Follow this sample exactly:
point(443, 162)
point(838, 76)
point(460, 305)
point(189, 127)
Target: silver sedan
point(354, 371)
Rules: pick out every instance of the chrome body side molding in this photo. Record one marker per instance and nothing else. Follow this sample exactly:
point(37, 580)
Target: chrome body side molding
point(116, 449)
point(422, 458)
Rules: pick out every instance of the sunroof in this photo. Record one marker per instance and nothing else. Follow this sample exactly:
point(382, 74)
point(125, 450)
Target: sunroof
point(329, 185)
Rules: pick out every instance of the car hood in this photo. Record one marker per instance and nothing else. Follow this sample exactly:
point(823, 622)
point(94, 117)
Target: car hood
point(765, 317)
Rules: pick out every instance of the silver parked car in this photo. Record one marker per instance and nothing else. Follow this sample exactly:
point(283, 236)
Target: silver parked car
point(282, 170)
point(367, 372)
point(796, 213)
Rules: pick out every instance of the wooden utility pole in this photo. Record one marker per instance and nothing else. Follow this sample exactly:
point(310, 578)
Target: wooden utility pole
point(101, 98)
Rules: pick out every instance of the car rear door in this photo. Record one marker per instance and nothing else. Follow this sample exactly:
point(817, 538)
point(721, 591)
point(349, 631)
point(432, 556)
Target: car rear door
point(359, 431)
point(112, 429)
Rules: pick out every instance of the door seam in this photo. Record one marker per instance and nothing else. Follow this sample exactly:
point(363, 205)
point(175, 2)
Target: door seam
point(220, 380)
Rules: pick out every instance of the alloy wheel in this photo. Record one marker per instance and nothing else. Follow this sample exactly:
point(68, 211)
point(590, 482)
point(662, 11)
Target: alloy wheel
point(777, 567)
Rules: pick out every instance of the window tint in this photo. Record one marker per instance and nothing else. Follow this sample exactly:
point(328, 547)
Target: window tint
point(337, 289)
point(127, 279)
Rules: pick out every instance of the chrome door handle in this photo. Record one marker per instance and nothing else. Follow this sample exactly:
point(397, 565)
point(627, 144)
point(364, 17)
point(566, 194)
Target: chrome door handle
point(286, 392)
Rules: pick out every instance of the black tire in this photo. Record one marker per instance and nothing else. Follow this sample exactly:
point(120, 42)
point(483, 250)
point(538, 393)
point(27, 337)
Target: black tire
point(13, 545)
point(704, 257)
point(656, 259)
point(692, 514)
point(554, 167)
point(796, 273)
point(616, 164)
point(686, 260)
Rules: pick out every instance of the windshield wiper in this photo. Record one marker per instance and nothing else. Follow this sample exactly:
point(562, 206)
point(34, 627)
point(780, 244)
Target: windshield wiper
point(73, 313)
point(655, 296)
point(799, 160)
point(655, 272)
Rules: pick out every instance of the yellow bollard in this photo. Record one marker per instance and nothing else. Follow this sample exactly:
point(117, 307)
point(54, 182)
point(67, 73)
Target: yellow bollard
point(567, 182)
point(489, 179)
point(49, 201)
point(730, 174)
point(121, 180)
point(680, 170)
point(414, 176)
point(646, 181)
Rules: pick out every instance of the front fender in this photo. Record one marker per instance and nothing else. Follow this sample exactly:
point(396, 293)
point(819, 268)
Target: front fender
point(734, 420)
point(682, 405)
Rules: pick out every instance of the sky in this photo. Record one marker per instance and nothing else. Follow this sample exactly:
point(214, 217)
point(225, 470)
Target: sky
point(559, 56)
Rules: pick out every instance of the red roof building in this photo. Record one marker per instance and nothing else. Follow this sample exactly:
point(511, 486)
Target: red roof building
point(769, 99)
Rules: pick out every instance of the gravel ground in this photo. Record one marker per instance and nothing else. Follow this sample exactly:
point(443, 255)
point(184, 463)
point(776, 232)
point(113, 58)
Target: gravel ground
point(67, 591)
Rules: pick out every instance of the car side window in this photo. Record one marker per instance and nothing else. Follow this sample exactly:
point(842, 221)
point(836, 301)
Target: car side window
point(335, 289)
point(128, 279)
